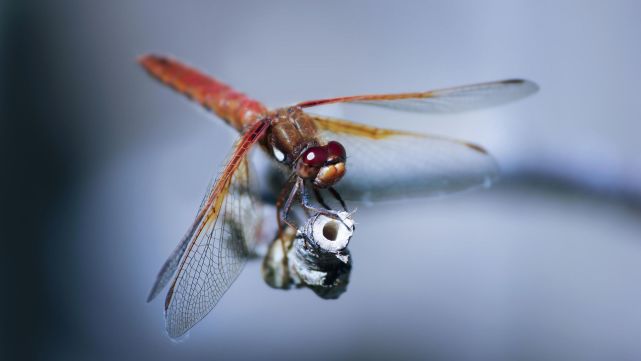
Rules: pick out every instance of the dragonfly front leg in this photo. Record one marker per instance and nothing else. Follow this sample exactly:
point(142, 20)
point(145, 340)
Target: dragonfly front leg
point(284, 208)
point(327, 212)
point(335, 194)
point(339, 198)
point(320, 199)
point(283, 205)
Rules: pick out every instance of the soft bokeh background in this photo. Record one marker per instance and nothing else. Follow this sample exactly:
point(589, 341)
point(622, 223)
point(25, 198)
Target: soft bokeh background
point(104, 169)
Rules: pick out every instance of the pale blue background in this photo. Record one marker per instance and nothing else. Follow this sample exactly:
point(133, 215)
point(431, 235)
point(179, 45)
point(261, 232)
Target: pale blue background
point(546, 265)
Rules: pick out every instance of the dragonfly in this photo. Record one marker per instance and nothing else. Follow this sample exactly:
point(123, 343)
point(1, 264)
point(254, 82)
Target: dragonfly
point(320, 154)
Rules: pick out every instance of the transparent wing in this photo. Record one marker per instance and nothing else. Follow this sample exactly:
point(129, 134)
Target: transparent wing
point(171, 264)
point(384, 164)
point(216, 258)
point(215, 248)
point(450, 100)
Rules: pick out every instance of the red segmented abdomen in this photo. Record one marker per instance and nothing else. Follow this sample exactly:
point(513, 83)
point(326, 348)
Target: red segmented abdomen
point(234, 107)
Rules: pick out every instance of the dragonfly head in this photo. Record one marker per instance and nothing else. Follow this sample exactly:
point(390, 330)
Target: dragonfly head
point(324, 164)
point(334, 168)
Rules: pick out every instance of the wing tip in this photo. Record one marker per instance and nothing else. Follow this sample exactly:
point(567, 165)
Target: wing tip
point(494, 170)
point(152, 294)
point(477, 148)
point(176, 332)
point(529, 86)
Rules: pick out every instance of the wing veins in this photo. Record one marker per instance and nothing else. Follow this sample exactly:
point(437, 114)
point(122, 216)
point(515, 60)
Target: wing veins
point(454, 99)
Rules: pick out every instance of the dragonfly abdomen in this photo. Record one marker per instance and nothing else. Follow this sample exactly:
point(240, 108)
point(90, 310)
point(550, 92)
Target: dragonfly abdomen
point(234, 107)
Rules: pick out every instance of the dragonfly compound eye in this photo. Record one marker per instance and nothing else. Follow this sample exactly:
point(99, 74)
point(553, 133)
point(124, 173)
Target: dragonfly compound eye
point(335, 151)
point(315, 156)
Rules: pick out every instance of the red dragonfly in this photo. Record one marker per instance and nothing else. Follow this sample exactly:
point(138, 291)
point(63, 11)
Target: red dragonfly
point(357, 161)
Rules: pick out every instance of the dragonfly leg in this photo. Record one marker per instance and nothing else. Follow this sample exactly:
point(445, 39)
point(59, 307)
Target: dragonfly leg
point(283, 205)
point(283, 210)
point(320, 199)
point(282, 199)
point(338, 197)
point(308, 206)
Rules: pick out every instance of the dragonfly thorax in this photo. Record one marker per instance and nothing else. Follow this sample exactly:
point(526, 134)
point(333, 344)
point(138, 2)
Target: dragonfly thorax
point(291, 132)
point(294, 141)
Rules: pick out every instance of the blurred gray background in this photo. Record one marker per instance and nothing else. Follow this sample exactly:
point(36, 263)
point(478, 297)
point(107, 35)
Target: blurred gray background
point(105, 168)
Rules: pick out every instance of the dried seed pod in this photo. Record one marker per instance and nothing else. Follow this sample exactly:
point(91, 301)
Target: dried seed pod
point(317, 256)
point(325, 273)
point(330, 232)
point(276, 268)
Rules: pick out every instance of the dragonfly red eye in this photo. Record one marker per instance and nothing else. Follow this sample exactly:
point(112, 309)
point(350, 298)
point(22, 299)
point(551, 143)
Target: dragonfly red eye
point(335, 150)
point(315, 156)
